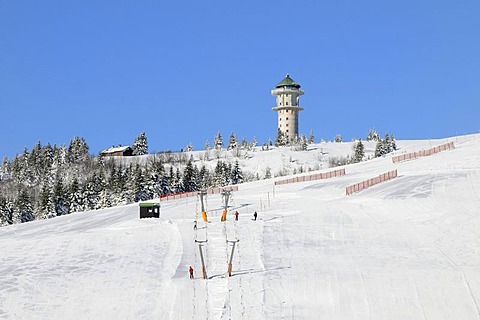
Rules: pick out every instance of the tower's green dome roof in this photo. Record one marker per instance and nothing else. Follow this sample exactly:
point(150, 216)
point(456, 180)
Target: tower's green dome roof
point(287, 82)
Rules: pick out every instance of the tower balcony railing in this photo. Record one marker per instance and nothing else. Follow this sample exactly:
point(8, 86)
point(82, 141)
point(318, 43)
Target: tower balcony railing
point(278, 91)
point(298, 108)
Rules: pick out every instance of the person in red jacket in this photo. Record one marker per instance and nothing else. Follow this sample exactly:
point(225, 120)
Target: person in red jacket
point(236, 215)
point(190, 270)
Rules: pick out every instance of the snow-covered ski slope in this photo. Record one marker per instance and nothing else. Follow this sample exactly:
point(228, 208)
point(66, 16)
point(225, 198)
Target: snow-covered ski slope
point(408, 248)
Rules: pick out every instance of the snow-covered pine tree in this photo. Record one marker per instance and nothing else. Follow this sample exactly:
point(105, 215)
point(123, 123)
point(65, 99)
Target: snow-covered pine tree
point(104, 194)
point(59, 156)
point(189, 178)
point(45, 165)
point(393, 143)
point(206, 155)
point(218, 141)
point(311, 138)
point(6, 210)
point(268, 173)
point(172, 180)
point(178, 186)
point(90, 193)
point(380, 149)
point(280, 138)
point(138, 185)
point(104, 199)
point(373, 135)
point(218, 174)
point(5, 169)
point(24, 207)
point(46, 207)
point(189, 147)
point(303, 143)
point(33, 163)
point(359, 151)
point(244, 144)
point(24, 173)
point(76, 197)
point(253, 144)
point(338, 138)
point(165, 185)
point(121, 193)
point(227, 174)
point(204, 178)
point(232, 142)
point(140, 145)
point(60, 198)
point(388, 143)
point(77, 151)
point(237, 175)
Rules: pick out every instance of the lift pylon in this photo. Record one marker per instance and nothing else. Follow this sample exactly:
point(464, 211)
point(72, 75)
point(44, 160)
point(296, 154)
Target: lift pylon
point(225, 197)
point(200, 245)
point(202, 195)
point(230, 264)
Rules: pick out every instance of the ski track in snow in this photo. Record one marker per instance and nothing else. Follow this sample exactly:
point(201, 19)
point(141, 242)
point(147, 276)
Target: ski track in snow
point(405, 249)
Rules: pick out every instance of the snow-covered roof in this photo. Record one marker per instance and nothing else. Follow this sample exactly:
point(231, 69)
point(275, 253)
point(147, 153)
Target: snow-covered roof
point(116, 149)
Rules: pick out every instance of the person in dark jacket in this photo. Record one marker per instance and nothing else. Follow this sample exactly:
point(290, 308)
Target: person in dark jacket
point(255, 216)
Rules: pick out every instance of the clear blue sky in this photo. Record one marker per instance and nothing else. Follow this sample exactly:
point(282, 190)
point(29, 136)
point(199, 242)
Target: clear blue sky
point(183, 70)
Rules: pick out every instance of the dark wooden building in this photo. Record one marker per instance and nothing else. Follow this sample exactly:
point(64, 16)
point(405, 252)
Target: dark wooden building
point(149, 210)
point(119, 151)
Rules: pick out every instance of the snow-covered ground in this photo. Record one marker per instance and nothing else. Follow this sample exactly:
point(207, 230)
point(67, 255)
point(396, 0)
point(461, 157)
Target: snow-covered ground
point(405, 249)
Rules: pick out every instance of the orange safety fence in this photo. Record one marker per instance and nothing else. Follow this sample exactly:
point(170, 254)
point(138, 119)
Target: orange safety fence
point(423, 153)
point(181, 195)
point(317, 176)
point(357, 187)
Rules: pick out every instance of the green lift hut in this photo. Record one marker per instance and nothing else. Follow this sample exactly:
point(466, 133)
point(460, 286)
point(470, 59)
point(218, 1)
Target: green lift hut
point(149, 210)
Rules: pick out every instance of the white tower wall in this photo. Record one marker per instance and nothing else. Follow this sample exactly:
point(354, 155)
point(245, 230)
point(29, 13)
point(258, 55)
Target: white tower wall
point(288, 94)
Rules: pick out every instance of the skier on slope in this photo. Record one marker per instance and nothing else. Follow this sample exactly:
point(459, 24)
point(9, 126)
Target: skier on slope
point(236, 215)
point(195, 225)
point(255, 216)
point(190, 270)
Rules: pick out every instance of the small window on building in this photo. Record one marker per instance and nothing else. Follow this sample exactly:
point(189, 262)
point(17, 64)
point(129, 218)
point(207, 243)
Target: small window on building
point(287, 130)
point(281, 119)
point(286, 103)
point(286, 125)
point(285, 118)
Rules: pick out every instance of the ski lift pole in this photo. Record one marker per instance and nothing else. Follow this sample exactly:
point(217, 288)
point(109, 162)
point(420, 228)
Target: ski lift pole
point(204, 271)
point(225, 197)
point(202, 195)
point(231, 256)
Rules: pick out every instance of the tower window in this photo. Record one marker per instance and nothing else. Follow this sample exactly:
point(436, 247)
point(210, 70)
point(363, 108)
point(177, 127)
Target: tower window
point(285, 118)
point(286, 103)
point(286, 125)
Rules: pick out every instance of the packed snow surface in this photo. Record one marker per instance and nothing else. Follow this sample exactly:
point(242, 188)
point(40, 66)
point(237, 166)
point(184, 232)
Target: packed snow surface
point(408, 248)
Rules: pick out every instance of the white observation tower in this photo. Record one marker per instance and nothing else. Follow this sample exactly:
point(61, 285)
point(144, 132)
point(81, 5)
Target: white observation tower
point(288, 106)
